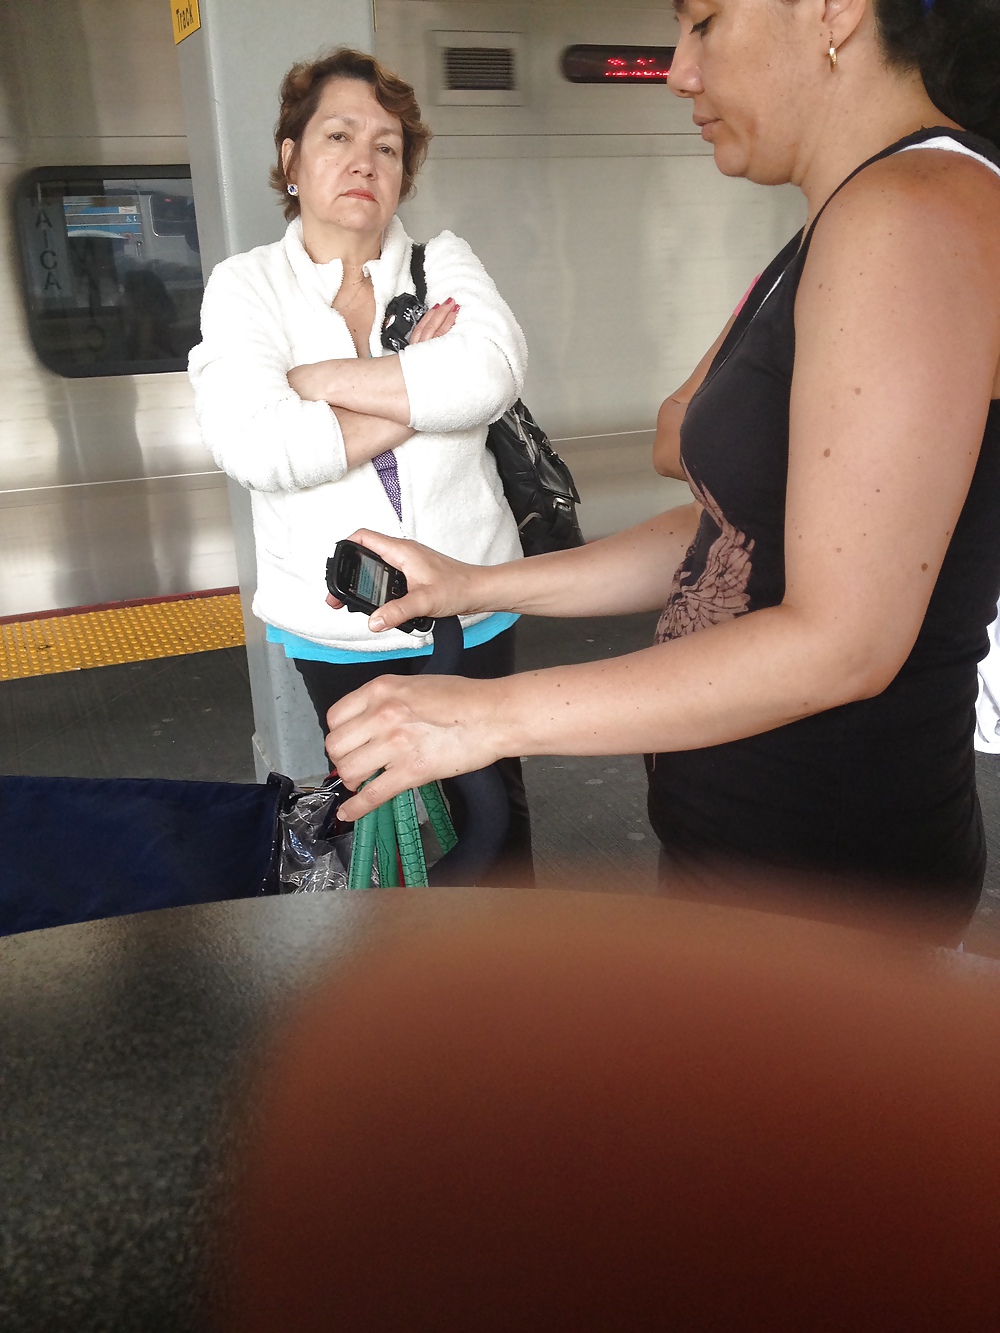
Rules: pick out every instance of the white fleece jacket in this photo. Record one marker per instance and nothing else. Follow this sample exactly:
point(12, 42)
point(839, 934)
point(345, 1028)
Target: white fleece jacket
point(269, 310)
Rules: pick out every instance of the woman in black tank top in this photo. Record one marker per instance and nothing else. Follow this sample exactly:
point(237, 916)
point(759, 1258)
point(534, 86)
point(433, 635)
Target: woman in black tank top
point(809, 701)
point(877, 794)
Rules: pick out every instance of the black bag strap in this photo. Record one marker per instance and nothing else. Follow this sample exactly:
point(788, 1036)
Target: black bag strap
point(417, 271)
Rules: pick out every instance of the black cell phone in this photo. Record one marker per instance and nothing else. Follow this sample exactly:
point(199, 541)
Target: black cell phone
point(363, 581)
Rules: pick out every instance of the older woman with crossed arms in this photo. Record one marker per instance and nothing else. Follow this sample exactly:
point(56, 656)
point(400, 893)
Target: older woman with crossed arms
point(302, 402)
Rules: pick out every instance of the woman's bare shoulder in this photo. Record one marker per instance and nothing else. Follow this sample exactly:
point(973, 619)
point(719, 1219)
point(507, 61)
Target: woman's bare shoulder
point(912, 239)
point(923, 198)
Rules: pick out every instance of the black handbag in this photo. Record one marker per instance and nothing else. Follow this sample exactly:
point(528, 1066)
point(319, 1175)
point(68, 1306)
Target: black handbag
point(537, 484)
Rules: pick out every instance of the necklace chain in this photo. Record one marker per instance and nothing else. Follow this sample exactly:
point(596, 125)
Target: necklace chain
point(365, 277)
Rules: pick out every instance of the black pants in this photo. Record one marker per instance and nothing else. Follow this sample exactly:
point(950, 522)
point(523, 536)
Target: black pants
point(327, 682)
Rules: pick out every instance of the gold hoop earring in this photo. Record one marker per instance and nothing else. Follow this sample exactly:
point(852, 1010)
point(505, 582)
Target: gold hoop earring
point(833, 56)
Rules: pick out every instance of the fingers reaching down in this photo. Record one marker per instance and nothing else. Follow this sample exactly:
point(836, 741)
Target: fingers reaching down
point(407, 731)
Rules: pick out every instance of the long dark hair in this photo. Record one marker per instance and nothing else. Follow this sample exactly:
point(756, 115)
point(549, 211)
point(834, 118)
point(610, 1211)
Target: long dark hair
point(955, 44)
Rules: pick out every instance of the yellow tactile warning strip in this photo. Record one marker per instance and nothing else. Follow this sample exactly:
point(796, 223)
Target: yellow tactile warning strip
point(113, 635)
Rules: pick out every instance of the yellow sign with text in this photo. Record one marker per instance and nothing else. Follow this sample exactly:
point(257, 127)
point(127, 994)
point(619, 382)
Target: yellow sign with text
point(186, 17)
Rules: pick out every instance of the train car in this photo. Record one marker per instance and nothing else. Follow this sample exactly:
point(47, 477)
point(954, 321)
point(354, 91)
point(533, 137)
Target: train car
point(560, 155)
point(107, 491)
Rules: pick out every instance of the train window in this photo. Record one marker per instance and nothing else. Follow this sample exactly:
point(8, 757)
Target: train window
point(617, 64)
point(478, 68)
point(111, 270)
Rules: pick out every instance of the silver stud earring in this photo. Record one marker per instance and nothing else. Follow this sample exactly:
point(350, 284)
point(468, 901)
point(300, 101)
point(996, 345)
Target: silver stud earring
point(293, 190)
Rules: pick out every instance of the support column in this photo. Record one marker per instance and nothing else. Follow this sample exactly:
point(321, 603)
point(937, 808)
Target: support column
point(231, 70)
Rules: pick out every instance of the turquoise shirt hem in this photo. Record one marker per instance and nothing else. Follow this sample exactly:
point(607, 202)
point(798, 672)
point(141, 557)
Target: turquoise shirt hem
point(310, 651)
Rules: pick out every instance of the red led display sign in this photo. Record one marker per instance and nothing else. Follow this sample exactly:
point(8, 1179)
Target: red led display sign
point(617, 64)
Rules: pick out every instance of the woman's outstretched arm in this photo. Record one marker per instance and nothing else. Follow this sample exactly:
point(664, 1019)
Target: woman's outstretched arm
point(897, 354)
point(631, 571)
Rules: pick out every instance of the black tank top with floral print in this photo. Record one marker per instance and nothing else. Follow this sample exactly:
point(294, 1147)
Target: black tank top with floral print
point(884, 788)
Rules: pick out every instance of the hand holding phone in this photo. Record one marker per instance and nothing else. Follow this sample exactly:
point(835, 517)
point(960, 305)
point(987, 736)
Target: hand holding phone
point(363, 581)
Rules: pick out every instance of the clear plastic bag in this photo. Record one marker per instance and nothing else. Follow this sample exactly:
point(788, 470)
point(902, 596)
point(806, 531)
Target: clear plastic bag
point(317, 853)
point(315, 846)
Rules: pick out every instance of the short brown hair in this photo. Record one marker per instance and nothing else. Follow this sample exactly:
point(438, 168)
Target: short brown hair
point(302, 89)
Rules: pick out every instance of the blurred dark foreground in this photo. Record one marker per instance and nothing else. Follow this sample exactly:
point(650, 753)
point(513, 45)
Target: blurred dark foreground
point(613, 1117)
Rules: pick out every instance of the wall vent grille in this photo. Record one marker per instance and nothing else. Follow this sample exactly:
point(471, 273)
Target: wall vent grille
point(480, 69)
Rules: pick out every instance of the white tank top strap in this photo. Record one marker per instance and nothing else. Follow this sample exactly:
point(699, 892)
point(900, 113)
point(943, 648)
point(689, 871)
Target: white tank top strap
point(950, 145)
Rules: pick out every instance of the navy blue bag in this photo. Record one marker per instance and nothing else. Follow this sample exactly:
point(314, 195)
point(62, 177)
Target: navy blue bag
point(79, 849)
